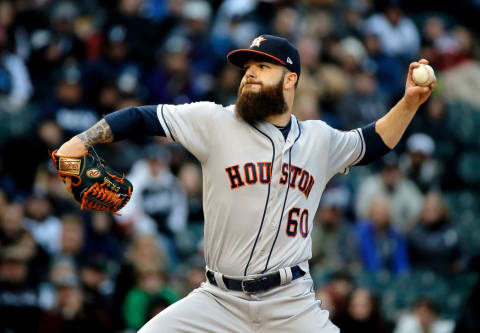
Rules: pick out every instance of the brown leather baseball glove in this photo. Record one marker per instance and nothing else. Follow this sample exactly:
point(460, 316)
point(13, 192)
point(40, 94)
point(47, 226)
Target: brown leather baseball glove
point(94, 185)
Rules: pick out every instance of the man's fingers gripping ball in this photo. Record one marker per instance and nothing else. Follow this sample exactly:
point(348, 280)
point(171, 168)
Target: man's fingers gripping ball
point(93, 184)
point(423, 75)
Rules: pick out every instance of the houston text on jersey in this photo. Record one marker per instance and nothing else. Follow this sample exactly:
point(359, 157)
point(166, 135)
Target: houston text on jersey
point(251, 173)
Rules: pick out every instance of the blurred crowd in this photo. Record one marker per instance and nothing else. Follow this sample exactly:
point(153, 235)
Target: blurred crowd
point(395, 245)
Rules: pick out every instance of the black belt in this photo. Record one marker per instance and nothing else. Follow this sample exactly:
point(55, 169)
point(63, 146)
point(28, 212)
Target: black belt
point(256, 284)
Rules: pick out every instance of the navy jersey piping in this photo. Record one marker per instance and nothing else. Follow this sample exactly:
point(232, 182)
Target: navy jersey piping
point(266, 202)
point(362, 148)
point(286, 195)
point(168, 128)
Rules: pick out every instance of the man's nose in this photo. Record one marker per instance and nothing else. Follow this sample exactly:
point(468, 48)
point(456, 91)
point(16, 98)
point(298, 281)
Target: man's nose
point(250, 73)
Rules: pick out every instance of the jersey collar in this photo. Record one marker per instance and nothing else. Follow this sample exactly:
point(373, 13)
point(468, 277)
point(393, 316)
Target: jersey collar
point(277, 136)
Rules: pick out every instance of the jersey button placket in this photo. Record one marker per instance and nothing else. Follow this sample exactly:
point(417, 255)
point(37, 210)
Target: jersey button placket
point(276, 188)
point(280, 190)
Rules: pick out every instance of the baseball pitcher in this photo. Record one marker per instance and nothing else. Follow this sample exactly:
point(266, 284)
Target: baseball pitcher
point(264, 172)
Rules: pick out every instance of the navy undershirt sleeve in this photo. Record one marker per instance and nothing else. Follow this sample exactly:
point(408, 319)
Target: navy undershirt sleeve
point(134, 121)
point(375, 147)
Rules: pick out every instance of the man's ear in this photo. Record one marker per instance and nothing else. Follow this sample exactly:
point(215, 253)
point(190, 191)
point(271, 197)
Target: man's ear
point(290, 80)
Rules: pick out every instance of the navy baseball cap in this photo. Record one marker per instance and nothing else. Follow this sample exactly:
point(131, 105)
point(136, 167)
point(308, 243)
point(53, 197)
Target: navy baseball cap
point(269, 47)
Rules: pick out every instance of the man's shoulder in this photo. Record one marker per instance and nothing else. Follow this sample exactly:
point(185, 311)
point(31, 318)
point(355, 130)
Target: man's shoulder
point(317, 129)
point(313, 124)
point(202, 106)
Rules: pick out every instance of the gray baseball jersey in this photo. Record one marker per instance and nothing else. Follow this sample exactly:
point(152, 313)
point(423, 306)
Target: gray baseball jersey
point(260, 190)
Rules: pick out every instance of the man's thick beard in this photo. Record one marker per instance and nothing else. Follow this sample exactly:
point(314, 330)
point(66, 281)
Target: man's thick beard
point(256, 106)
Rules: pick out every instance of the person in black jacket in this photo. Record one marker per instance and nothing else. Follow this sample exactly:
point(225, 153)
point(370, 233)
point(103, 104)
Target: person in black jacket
point(362, 314)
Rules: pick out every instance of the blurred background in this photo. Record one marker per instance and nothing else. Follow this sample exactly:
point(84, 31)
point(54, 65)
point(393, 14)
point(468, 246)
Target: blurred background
point(396, 244)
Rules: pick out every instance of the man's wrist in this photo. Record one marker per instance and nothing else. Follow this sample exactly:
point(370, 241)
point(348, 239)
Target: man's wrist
point(73, 147)
point(407, 106)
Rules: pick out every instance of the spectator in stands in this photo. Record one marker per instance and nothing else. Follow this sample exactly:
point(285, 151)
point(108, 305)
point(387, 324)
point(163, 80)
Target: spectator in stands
point(442, 43)
point(38, 259)
point(204, 58)
point(158, 203)
point(336, 292)
point(353, 15)
point(46, 181)
point(115, 72)
point(143, 250)
point(49, 135)
point(236, 23)
point(424, 318)
point(286, 23)
point(327, 302)
point(351, 55)
point(469, 320)
point(462, 75)
point(140, 31)
point(195, 277)
point(387, 69)
point(106, 97)
point(44, 226)
point(190, 177)
point(63, 267)
point(405, 199)
point(381, 246)
point(226, 84)
point(150, 283)
point(156, 305)
point(12, 224)
point(16, 31)
point(54, 46)
point(439, 43)
point(101, 240)
point(171, 81)
point(68, 107)
point(71, 314)
point(433, 243)
point(362, 314)
point(15, 85)
point(334, 245)
point(37, 138)
point(419, 165)
point(3, 199)
point(307, 107)
point(398, 34)
point(72, 238)
point(19, 301)
point(309, 49)
point(436, 123)
point(364, 104)
point(97, 288)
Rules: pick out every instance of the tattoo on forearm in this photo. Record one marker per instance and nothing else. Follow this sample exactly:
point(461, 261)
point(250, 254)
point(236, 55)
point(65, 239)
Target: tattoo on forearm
point(98, 133)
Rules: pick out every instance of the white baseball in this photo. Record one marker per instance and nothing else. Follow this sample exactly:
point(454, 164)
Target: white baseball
point(423, 75)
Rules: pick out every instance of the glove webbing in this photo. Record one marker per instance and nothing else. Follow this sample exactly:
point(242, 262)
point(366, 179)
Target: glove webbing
point(110, 201)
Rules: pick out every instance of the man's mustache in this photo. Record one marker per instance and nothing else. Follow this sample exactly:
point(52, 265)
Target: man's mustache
point(251, 82)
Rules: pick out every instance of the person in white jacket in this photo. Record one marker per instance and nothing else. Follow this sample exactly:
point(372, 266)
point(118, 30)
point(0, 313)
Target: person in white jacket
point(423, 319)
point(158, 203)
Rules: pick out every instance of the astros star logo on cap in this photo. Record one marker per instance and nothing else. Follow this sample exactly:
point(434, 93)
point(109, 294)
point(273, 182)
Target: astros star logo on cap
point(256, 42)
point(270, 48)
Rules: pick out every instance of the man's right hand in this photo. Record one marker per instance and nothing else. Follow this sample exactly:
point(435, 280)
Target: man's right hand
point(73, 147)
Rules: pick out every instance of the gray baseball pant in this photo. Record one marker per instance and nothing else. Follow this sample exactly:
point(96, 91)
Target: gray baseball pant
point(287, 308)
